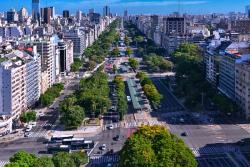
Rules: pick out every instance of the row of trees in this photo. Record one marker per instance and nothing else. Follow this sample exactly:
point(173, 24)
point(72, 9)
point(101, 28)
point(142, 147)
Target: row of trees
point(72, 114)
point(157, 63)
point(92, 99)
point(62, 159)
point(149, 89)
point(122, 105)
point(100, 48)
point(49, 96)
point(76, 65)
point(191, 82)
point(145, 46)
point(155, 146)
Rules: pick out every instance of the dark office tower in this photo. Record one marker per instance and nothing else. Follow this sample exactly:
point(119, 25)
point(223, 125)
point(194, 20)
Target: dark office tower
point(12, 16)
point(106, 11)
point(92, 10)
point(62, 56)
point(248, 11)
point(36, 10)
point(175, 26)
point(66, 14)
point(126, 13)
point(47, 15)
point(155, 20)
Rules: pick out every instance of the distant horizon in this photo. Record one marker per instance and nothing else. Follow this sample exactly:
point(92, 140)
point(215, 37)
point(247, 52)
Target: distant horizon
point(134, 6)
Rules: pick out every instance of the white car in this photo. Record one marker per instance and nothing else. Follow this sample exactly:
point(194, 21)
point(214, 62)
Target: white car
point(104, 147)
point(29, 128)
point(110, 127)
point(129, 99)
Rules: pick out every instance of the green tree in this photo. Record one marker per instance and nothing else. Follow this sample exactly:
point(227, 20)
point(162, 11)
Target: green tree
point(23, 159)
point(28, 116)
point(43, 162)
point(133, 63)
point(90, 65)
point(128, 51)
point(152, 93)
point(138, 39)
point(141, 75)
point(76, 65)
point(114, 69)
point(79, 158)
point(73, 117)
point(154, 146)
point(115, 52)
point(126, 40)
point(63, 159)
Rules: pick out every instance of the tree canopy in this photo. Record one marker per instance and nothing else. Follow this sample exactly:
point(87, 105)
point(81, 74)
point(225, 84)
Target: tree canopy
point(157, 63)
point(61, 159)
point(48, 97)
point(28, 116)
point(133, 63)
point(155, 146)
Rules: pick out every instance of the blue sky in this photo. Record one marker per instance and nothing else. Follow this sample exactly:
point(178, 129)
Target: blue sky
point(136, 6)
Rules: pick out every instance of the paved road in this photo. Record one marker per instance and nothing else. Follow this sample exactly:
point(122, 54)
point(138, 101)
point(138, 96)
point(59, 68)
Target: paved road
point(169, 103)
point(31, 145)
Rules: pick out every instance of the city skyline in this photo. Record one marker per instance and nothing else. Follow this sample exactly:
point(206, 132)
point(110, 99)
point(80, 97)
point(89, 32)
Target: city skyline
point(135, 6)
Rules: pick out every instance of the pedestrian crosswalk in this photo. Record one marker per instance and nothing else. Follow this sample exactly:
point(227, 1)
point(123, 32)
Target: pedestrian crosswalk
point(135, 124)
point(39, 134)
point(115, 125)
point(213, 150)
point(2, 163)
point(104, 159)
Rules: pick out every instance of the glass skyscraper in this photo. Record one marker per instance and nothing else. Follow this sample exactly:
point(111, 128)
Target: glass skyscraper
point(36, 10)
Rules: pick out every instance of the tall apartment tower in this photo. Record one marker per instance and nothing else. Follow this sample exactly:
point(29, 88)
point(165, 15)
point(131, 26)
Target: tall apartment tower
point(47, 15)
point(248, 11)
point(19, 86)
point(36, 10)
point(106, 11)
point(175, 25)
point(66, 14)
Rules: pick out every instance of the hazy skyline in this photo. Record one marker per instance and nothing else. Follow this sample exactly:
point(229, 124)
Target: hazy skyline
point(135, 6)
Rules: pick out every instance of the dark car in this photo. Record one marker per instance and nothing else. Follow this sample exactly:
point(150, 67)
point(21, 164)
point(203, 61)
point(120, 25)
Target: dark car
point(184, 134)
point(117, 138)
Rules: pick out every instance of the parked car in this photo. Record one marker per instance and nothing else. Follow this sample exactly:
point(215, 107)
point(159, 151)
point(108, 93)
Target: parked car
point(110, 127)
point(129, 99)
point(27, 134)
point(28, 128)
point(104, 147)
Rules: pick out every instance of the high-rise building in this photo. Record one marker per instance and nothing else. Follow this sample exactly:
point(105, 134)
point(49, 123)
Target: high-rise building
point(66, 14)
point(106, 11)
point(79, 15)
point(19, 85)
point(12, 16)
point(175, 25)
point(47, 15)
point(242, 86)
point(36, 10)
point(53, 11)
point(65, 49)
point(22, 14)
point(248, 11)
point(77, 36)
